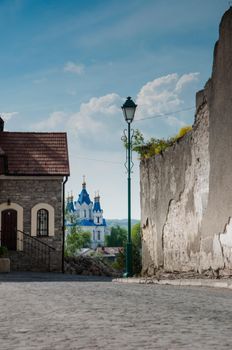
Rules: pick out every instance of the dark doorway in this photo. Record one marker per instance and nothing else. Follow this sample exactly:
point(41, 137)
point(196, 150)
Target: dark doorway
point(9, 229)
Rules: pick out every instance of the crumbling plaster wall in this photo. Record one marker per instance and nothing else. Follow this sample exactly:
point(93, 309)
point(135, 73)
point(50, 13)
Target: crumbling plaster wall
point(186, 193)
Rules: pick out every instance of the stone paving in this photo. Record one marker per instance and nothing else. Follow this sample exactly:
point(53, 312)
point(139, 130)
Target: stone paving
point(55, 311)
point(181, 282)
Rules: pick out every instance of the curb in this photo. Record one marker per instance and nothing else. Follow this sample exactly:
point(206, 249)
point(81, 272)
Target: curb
point(178, 282)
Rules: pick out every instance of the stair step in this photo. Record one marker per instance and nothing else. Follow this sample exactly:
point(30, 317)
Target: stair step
point(20, 261)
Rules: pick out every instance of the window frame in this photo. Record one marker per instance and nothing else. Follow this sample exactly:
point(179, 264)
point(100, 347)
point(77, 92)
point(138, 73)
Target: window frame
point(40, 224)
point(51, 211)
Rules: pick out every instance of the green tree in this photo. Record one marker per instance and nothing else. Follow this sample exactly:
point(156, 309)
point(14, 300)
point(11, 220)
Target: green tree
point(119, 264)
point(75, 240)
point(117, 237)
point(86, 237)
point(136, 235)
point(136, 248)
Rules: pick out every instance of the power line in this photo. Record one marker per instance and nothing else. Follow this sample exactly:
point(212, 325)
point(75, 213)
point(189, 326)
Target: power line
point(165, 115)
point(63, 107)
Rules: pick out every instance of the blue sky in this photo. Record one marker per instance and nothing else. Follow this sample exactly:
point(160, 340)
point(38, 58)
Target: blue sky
point(68, 65)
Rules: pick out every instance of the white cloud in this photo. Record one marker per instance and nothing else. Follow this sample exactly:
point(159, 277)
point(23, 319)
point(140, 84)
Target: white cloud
point(8, 115)
point(96, 115)
point(186, 79)
point(52, 123)
point(96, 125)
point(158, 96)
point(84, 124)
point(162, 95)
point(99, 121)
point(75, 68)
point(175, 122)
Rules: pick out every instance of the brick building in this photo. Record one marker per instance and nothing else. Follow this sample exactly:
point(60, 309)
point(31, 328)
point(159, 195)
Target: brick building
point(33, 170)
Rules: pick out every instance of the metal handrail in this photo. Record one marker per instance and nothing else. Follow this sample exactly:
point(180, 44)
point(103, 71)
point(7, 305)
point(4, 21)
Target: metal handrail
point(35, 249)
point(36, 239)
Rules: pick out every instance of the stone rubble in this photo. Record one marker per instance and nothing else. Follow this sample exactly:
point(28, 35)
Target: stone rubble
point(88, 266)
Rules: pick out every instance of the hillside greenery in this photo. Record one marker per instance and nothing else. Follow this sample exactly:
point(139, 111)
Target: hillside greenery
point(120, 222)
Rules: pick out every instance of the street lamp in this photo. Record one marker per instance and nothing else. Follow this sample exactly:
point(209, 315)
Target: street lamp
point(128, 109)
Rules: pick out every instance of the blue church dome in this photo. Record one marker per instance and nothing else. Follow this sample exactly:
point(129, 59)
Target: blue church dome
point(97, 205)
point(87, 215)
point(84, 196)
point(70, 207)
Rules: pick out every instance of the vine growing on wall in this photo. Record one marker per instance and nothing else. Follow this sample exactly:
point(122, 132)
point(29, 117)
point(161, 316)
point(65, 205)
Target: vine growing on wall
point(154, 146)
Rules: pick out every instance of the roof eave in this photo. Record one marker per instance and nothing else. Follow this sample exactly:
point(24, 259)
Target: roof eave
point(35, 174)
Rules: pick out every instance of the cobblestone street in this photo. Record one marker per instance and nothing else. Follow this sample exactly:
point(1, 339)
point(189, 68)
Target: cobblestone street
point(69, 312)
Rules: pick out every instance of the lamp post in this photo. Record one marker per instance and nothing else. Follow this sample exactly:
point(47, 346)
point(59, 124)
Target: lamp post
point(129, 108)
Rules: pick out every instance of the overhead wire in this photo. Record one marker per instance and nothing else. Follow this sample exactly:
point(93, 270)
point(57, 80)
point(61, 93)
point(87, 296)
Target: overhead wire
point(165, 115)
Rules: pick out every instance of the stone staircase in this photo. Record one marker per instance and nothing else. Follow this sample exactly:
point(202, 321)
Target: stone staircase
point(34, 257)
point(21, 261)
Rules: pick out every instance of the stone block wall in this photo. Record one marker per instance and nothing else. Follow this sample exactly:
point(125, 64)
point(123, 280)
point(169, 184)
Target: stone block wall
point(29, 191)
point(186, 193)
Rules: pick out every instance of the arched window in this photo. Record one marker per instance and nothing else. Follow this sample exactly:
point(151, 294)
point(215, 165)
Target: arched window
point(42, 222)
point(50, 216)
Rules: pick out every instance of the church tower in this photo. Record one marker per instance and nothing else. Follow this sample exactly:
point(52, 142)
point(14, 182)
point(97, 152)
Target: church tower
point(97, 211)
point(84, 205)
point(87, 215)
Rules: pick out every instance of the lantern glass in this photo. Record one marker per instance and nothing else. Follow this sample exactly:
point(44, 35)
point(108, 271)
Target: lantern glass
point(129, 108)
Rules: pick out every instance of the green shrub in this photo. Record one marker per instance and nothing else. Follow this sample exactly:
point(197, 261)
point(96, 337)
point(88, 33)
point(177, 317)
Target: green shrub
point(184, 131)
point(119, 263)
point(154, 146)
point(3, 251)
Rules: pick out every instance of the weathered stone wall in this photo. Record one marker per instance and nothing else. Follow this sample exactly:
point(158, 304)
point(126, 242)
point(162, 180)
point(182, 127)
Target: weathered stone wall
point(27, 192)
point(186, 196)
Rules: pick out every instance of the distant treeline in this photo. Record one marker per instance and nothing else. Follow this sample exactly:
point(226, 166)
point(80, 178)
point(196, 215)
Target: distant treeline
point(120, 222)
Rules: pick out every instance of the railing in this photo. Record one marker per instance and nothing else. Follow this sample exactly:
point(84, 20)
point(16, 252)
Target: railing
point(38, 251)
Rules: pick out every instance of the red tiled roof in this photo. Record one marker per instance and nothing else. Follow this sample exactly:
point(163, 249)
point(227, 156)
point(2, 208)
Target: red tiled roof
point(35, 153)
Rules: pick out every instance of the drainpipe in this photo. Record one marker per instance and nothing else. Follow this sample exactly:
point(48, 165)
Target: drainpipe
point(66, 179)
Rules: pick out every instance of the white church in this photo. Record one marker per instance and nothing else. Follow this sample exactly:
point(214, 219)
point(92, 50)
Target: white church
point(88, 215)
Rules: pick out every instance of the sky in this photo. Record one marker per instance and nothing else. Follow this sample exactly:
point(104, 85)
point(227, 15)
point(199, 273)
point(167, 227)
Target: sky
point(68, 65)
